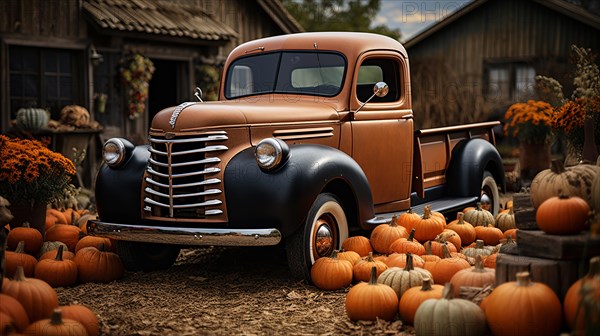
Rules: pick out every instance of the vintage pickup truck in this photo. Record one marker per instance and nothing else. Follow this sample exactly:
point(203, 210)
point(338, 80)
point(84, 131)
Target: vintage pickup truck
point(312, 139)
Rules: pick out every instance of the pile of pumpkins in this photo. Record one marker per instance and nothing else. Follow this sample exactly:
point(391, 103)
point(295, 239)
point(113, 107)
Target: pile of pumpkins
point(35, 265)
point(415, 266)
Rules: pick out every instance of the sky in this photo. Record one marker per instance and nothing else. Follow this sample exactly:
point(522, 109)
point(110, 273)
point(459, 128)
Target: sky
point(412, 17)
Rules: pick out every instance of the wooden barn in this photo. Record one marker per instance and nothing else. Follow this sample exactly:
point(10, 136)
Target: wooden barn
point(484, 57)
point(63, 52)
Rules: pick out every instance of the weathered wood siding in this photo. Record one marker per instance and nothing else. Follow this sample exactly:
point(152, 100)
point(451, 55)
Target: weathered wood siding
point(448, 67)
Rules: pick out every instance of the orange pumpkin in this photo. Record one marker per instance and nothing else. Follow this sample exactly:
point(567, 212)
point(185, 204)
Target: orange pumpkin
point(68, 234)
point(94, 265)
point(93, 241)
point(445, 269)
point(371, 300)
point(385, 234)
point(331, 273)
point(13, 308)
point(406, 245)
point(350, 256)
point(83, 315)
point(450, 236)
point(428, 227)
point(19, 258)
point(358, 244)
point(581, 309)
point(490, 261)
point(400, 260)
point(512, 233)
point(476, 276)
point(412, 299)
point(429, 258)
point(534, 308)
point(361, 270)
point(436, 248)
point(401, 279)
point(465, 230)
point(406, 218)
point(56, 325)
point(57, 272)
point(59, 216)
point(32, 237)
point(36, 296)
point(67, 255)
point(562, 215)
point(489, 234)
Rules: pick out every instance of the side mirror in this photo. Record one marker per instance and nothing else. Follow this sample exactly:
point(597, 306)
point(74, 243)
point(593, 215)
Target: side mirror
point(380, 89)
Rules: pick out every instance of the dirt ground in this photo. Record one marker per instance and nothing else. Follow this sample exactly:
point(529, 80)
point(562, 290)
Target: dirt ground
point(221, 291)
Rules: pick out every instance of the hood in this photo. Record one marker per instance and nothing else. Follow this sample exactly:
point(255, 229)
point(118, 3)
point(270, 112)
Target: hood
point(245, 112)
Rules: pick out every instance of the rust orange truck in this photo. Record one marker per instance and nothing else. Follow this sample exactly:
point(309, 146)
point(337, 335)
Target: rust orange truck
point(311, 140)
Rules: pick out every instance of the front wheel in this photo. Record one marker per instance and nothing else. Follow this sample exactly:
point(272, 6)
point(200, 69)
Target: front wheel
point(324, 230)
point(146, 257)
point(490, 197)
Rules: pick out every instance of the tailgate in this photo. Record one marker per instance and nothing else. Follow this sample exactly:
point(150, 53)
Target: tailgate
point(433, 149)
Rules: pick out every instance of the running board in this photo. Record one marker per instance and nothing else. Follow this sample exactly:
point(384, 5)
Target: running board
point(444, 205)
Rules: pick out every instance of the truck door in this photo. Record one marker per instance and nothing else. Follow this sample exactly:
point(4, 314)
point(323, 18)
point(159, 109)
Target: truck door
point(382, 131)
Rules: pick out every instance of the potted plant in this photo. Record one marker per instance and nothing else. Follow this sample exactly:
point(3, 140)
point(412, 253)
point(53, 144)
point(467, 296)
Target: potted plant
point(530, 122)
point(31, 176)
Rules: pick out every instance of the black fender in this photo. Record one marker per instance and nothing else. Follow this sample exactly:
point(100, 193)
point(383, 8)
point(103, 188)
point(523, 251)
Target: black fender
point(470, 158)
point(118, 190)
point(282, 198)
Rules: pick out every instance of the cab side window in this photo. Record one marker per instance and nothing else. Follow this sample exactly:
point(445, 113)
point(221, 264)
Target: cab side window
point(372, 71)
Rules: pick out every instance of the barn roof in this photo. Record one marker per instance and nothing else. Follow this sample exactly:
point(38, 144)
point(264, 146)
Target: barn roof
point(571, 10)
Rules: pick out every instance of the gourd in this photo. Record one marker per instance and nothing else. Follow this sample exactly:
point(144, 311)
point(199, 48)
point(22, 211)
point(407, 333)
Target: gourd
point(358, 244)
point(427, 227)
point(534, 308)
point(331, 273)
point(478, 249)
point(445, 269)
point(19, 258)
point(581, 305)
point(464, 229)
point(14, 309)
point(83, 315)
point(57, 272)
point(74, 115)
point(573, 181)
point(36, 296)
point(94, 265)
point(562, 215)
point(402, 279)
point(361, 270)
point(56, 325)
point(371, 300)
point(32, 119)
point(479, 216)
point(506, 221)
point(489, 234)
point(385, 234)
point(32, 237)
point(476, 276)
point(449, 316)
point(409, 244)
point(413, 298)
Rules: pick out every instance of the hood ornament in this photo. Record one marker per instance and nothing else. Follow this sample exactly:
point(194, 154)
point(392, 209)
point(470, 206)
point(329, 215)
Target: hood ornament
point(198, 94)
point(177, 111)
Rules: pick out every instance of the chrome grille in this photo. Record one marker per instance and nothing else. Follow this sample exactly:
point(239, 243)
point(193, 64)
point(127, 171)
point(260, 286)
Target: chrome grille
point(182, 176)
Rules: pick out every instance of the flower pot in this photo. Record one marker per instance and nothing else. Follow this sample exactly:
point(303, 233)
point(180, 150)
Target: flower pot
point(533, 158)
point(34, 213)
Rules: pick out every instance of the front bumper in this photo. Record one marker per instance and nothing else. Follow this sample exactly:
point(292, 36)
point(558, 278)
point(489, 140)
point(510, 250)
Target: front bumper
point(185, 236)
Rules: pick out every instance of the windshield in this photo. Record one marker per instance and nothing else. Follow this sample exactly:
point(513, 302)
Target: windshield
point(314, 73)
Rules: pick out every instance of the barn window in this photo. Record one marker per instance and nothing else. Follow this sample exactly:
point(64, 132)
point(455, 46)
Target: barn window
point(514, 81)
point(46, 78)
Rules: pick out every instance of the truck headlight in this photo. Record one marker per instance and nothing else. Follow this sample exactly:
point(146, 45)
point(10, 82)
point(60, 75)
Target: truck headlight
point(270, 153)
point(114, 151)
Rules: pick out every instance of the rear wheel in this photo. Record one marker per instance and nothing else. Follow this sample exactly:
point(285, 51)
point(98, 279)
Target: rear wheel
point(138, 256)
point(324, 230)
point(490, 197)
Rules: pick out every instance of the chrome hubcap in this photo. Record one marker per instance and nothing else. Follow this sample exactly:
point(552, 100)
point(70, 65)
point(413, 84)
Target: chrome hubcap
point(324, 242)
point(486, 201)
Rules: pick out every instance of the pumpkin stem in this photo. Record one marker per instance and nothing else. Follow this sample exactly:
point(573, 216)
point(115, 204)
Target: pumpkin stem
point(428, 247)
point(511, 212)
point(461, 218)
point(448, 292)
point(445, 251)
point(426, 284)
point(427, 212)
point(479, 208)
point(20, 274)
point(563, 196)
point(479, 244)
point(509, 240)
point(56, 318)
point(394, 221)
point(20, 247)
point(59, 253)
point(409, 262)
point(557, 167)
point(594, 267)
point(523, 279)
point(411, 236)
point(373, 279)
point(26, 225)
point(478, 264)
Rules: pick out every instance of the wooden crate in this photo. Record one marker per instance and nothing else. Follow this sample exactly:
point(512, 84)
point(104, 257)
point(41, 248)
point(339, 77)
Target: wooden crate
point(524, 212)
point(558, 275)
point(571, 247)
